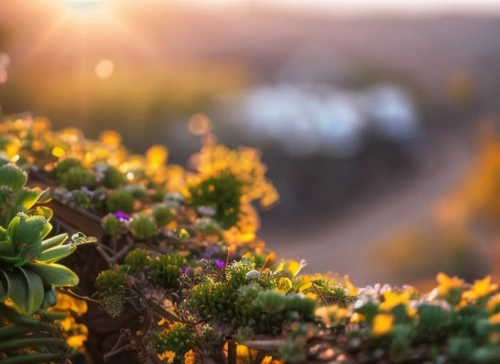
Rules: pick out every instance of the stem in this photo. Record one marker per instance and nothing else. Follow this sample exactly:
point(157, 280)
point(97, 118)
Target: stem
point(123, 251)
point(232, 357)
point(19, 343)
point(32, 358)
point(69, 292)
point(105, 255)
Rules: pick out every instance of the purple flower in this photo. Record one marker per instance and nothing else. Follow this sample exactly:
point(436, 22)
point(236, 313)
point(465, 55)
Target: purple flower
point(220, 264)
point(122, 216)
point(185, 271)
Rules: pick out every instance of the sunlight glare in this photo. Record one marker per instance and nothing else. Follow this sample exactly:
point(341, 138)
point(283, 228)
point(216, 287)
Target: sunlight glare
point(85, 5)
point(104, 69)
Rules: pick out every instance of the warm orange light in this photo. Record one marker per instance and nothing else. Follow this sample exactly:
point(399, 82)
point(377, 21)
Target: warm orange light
point(199, 124)
point(157, 155)
point(104, 69)
point(111, 138)
point(4, 63)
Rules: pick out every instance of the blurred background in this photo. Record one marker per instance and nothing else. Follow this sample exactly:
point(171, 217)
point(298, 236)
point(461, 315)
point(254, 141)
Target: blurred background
point(374, 116)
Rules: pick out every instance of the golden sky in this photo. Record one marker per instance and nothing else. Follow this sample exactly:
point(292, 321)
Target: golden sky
point(370, 5)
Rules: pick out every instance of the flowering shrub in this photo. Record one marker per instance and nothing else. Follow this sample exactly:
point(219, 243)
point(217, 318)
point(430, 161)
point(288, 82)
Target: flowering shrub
point(186, 278)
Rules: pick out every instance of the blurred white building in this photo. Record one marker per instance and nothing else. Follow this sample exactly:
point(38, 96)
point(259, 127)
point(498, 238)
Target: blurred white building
point(322, 119)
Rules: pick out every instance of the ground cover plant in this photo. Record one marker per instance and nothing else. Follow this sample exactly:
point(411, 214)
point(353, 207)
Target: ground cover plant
point(127, 258)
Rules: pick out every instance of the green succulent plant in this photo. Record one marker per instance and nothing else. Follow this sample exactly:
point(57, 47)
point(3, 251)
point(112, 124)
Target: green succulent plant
point(111, 224)
point(138, 191)
point(138, 258)
point(64, 166)
point(81, 199)
point(29, 339)
point(163, 214)
point(113, 178)
point(434, 321)
point(214, 300)
point(143, 226)
point(120, 200)
point(222, 192)
point(29, 262)
point(180, 339)
point(111, 286)
point(77, 177)
point(236, 273)
point(14, 196)
point(167, 270)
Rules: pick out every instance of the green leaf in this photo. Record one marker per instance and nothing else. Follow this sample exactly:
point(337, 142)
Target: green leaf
point(32, 229)
point(13, 177)
point(26, 291)
point(55, 254)
point(50, 298)
point(7, 248)
point(28, 197)
point(3, 233)
point(4, 286)
point(21, 262)
point(11, 230)
point(54, 241)
point(54, 274)
point(9, 260)
point(45, 212)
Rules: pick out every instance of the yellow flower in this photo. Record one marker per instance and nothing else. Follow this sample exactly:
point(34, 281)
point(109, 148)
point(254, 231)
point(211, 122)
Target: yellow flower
point(76, 341)
point(291, 266)
point(332, 315)
point(69, 304)
point(353, 290)
point(269, 360)
point(284, 285)
point(382, 324)
point(311, 295)
point(190, 357)
point(245, 164)
point(393, 299)
point(67, 323)
point(480, 288)
point(493, 302)
point(168, 356)
point(495, 319)
point(446, 283)
point(356, 318)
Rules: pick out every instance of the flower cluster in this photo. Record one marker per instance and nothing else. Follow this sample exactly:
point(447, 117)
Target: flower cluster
point(455, 322)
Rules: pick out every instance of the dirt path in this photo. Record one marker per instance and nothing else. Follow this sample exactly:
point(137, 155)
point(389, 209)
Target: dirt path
point(344, 246)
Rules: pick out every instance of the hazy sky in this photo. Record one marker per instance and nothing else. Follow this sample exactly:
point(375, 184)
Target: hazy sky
point(412, 5)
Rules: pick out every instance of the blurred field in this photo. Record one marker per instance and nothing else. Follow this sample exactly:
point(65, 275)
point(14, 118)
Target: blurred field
point(170, 61)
